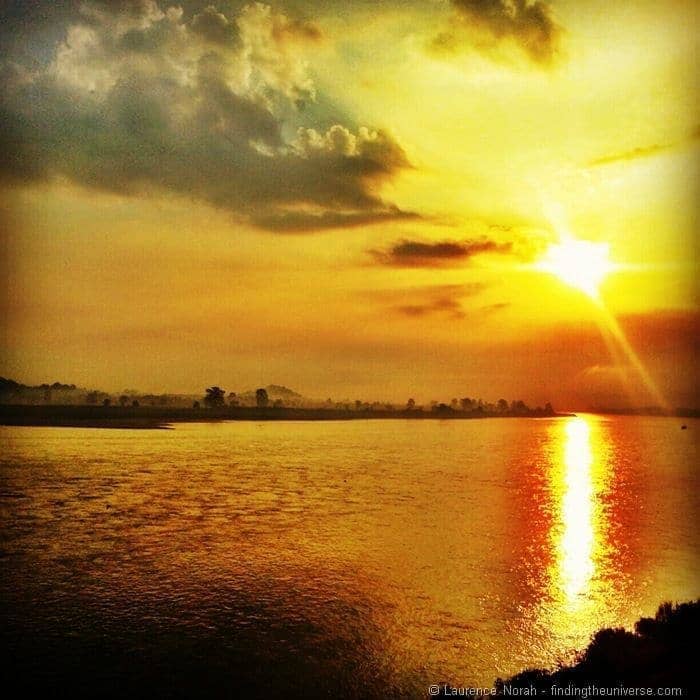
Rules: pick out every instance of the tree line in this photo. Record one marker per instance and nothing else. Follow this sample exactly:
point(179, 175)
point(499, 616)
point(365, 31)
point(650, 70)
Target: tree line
point(272, 396)
point(216, 397)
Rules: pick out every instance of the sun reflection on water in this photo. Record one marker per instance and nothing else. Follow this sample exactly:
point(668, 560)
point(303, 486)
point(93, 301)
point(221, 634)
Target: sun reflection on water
point(577, 536)
point(579, 582)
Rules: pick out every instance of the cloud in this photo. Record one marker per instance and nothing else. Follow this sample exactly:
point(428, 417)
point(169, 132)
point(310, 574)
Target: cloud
point(666, 342)
point(605, 385)
point(486, 25)
point(269, 42)
point(493, 308)
point(645, 151)
point(664, 332)
point(301, 221)
point(442, 305)
point(447, 301)
point(408, 253)
point(215, 27)
point(139, 99)
point(633, 154)
point(427, 300)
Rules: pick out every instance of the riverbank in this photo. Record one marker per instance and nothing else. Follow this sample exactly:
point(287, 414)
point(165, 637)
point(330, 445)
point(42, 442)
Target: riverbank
point(658, 655)
point(154, 417)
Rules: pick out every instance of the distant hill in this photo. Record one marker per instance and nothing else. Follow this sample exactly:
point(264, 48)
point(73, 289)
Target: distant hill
point(282, 391)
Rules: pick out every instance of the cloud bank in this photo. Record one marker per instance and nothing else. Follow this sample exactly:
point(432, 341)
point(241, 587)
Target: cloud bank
point(140, 98)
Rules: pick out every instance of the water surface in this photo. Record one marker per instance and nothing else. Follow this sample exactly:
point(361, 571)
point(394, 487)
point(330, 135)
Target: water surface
point(359, 558)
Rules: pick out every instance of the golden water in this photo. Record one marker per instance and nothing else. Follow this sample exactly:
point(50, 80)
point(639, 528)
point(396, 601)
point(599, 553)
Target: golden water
point(371, 556)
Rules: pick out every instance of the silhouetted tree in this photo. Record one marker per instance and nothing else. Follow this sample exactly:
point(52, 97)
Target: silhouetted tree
point(465, 403)
point(548, 409)
point(135, 403)
point(660, 652)
point(195, 404)
point(106, 402)
point(92, 397)
point(502, 406)
point(214, 397)
point(519, 408)
point(233, 399)
point(358, 404)
point(410, 404)
point(123, 400)
point(261, 398)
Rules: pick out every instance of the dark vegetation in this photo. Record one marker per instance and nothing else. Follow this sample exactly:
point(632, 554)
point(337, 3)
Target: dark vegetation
point(275, 396)
point(115, 416)
point(660, 653)
point(67, 405)
point(272, 396)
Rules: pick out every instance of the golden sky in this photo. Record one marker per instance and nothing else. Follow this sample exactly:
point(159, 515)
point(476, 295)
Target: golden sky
point(350, 198)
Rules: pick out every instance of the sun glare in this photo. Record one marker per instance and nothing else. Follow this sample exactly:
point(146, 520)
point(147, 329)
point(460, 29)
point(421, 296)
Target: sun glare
point(580, 264)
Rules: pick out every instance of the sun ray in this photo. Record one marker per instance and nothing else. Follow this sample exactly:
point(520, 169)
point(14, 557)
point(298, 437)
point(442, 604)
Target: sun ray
point(584, 265)
point(607, 321)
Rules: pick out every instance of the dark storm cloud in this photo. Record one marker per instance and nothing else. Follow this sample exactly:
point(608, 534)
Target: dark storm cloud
point(407, 253)
point(136, 98)
point(483, 24)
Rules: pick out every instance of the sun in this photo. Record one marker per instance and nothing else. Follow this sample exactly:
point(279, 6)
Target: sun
point(580, 264)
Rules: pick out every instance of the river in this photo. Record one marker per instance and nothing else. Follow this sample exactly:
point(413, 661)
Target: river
point(350, 559)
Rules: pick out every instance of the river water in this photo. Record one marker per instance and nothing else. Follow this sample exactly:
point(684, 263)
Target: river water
point(347, 559)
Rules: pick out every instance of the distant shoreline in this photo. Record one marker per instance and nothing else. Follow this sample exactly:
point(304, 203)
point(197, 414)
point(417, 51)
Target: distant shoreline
point(158, 417)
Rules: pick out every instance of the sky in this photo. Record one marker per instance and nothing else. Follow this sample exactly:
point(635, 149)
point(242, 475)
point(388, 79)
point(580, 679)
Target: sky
point(353, 199)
